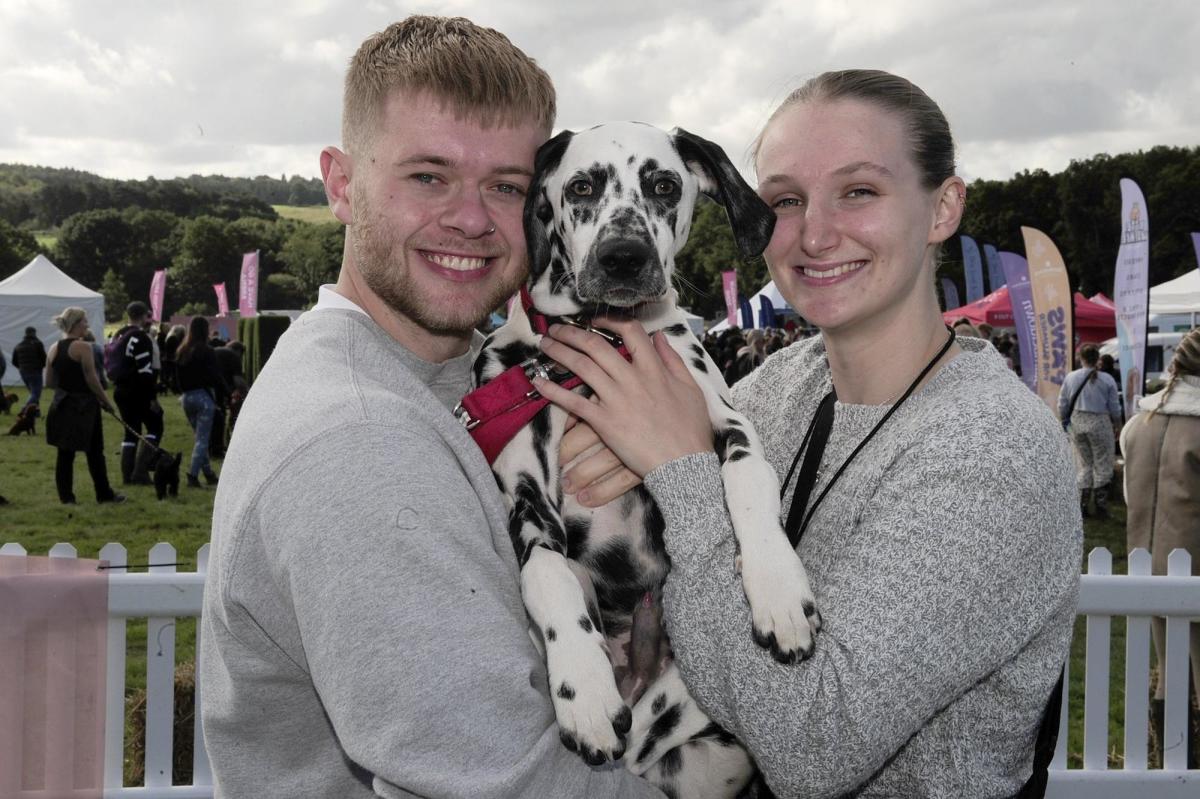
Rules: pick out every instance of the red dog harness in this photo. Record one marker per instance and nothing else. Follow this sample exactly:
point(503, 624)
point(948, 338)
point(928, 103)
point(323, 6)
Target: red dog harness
point(494, 413)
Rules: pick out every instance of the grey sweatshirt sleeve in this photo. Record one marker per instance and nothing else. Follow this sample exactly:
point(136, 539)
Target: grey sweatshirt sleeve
point(415, 644)
point(918, 608)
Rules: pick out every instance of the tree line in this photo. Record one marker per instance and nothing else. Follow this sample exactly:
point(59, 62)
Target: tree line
point(112, 235)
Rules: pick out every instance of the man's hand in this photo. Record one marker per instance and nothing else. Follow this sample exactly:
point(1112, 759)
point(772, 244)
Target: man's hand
point(599, 477)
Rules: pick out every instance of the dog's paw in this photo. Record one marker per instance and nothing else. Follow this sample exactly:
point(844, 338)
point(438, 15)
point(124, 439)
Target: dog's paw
point(782, 606)
point(592, 717)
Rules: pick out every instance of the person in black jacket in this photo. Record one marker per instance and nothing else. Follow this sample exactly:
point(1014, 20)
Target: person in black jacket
point(29, 358)
point(136, 394)
point(201, 383)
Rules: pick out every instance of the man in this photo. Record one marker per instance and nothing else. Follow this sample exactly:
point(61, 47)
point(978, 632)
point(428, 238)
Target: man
point(29, 357)
point(363, 627)
point(135, 393)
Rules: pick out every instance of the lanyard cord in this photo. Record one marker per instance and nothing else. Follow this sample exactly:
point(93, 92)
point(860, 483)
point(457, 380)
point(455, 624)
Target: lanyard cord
point(827, 400)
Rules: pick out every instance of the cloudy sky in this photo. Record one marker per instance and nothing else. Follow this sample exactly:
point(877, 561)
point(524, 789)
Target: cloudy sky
point(247, 87)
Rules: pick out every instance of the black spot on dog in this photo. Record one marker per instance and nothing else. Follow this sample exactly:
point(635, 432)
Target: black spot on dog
point(531, 506)
point(715, 732)
point(659, 704)
point(551, 635)
point(565, 691)
point(539, 426)
point(699, 365)
point(655, 525)
point(578, 529)
point(670, 763)
point(585, 624)
point(697, 350)
point(678, 329)
point(661, 728)
point(728, 442)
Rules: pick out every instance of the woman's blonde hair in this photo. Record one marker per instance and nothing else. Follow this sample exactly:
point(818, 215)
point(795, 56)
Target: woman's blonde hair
point(69, 318)
point(1186, 361)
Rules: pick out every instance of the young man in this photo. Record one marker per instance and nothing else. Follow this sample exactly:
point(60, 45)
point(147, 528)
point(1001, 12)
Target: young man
point(135, 392)
point(363, 629)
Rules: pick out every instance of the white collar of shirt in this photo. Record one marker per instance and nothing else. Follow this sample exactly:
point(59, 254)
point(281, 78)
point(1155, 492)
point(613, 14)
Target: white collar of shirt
point(328, 298)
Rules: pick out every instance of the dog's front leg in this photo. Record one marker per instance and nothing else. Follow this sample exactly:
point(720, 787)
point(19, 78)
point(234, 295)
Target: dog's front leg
point(590, 712)
point(783, 609)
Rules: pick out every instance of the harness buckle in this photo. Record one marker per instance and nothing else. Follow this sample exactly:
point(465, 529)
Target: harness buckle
point(464, 417)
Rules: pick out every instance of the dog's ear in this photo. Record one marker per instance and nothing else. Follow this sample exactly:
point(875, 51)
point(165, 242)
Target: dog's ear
point(538, 212)
point(752, 220)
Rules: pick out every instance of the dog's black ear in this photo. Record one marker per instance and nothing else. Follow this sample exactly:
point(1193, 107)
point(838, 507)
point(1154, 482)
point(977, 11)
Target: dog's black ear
point(752, 220)
point(538, 212)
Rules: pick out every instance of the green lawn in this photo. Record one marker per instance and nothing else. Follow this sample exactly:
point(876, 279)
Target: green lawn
point(315, 214)
point(46, 241)
point(36, 520)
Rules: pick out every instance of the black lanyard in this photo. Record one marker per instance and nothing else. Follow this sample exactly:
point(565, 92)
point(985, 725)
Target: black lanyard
point(813, 448)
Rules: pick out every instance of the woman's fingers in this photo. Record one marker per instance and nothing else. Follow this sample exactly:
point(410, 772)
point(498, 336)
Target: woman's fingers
point(607, 488)
point(578, 439)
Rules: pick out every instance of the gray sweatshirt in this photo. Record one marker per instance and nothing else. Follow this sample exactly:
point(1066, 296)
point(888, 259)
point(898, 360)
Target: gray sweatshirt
point(945, 562)
point(363, 631)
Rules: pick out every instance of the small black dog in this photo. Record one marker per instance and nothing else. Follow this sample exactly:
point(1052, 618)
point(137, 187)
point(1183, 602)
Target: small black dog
point(7, 401)
point(166, 472)
point(25, 422)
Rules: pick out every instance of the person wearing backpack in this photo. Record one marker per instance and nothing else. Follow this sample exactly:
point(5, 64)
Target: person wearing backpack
point(128, 360)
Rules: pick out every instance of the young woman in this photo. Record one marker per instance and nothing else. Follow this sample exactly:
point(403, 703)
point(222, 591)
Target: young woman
point(73, 423)
point(941, 535)
point(200, 381)
point(1162, 486)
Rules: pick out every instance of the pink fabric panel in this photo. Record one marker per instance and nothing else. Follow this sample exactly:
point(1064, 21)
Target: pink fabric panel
point(53, 651)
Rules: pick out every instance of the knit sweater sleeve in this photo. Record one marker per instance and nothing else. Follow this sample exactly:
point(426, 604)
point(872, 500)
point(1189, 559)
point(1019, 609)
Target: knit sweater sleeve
point(942, 579)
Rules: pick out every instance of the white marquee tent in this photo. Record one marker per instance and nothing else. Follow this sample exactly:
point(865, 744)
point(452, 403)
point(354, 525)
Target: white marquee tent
point(32, 297)
point(771, 292)
point(1181, 295)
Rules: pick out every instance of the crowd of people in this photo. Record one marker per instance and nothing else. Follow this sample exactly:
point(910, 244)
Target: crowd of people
point(138, 365)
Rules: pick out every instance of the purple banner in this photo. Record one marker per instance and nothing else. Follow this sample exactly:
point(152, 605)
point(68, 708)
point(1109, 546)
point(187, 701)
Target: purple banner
point(950, 294)
point(1020, 293)
point(972, 269)
point(158, 290)
point(995, 271)
point(1131, 292)
point(248, 285)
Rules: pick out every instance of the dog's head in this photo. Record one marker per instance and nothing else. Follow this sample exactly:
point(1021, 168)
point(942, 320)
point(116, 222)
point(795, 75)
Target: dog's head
point(609, 208)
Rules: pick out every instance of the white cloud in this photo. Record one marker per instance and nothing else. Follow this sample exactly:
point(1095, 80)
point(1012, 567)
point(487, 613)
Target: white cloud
point(248, 88)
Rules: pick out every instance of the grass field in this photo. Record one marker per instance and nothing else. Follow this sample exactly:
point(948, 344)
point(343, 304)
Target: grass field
point(315, 214)
point(46, 241)
point(36, 520)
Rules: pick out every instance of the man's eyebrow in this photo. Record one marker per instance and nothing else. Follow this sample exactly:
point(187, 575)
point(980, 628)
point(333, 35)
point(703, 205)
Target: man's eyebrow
point(868, 166)
point(442, 161)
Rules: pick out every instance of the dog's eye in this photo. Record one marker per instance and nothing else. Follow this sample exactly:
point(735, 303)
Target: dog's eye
point(664, 187)
point(581, 188)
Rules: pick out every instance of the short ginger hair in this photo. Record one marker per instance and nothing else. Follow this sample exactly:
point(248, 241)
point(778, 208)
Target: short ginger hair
point(473, 70)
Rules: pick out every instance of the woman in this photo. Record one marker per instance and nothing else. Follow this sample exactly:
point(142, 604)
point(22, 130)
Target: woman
point(944, 556)
point(1088, 403)
point(73, 423)
point(200, 381)
point(1162, 482)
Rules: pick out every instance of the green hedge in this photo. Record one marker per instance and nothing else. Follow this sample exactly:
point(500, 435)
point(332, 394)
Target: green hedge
point(259, 334)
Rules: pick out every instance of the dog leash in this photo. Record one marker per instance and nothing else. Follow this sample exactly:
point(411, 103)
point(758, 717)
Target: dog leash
point(138, 435)
point(496, 411)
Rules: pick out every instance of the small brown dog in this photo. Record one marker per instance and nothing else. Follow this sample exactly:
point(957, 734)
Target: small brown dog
point(26, 421)
point(6, 402)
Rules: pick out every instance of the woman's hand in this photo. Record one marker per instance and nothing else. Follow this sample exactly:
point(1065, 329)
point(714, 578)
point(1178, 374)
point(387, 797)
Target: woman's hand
point(599, 477)
point(647, 411)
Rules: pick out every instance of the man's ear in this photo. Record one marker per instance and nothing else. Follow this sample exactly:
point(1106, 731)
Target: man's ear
point(948, 209)
point(336, 169)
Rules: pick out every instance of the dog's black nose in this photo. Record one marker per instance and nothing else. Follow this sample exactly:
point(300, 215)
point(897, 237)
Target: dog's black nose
point(621, 257)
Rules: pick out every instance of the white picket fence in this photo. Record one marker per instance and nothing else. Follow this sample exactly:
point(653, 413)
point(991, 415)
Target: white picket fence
point(170, 594)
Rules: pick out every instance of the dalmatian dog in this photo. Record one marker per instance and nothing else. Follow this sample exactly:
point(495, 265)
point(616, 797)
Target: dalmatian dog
point(607, 212)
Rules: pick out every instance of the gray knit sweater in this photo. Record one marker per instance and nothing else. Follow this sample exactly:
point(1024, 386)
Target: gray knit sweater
point(945, 562)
